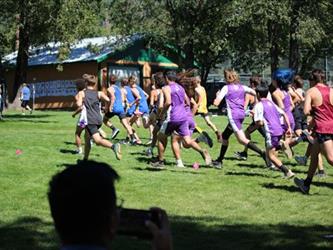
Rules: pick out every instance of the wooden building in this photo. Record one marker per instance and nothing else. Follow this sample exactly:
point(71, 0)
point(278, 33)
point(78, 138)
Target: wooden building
point(53, 83)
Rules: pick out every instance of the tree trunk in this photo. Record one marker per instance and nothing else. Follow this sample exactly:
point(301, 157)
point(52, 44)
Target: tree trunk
point(23, 51)
point(274, 46)
point(204, 75)
point(189, 55)
point(293, 42)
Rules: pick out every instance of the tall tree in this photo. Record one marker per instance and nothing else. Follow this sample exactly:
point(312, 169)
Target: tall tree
point(193, 32)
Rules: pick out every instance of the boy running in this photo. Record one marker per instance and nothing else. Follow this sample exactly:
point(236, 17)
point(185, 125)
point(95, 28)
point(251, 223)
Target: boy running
point(267, 114)
point(319, 104)
point(89, 101)
point(116, 108)
point(176, 121)
point(234, 93)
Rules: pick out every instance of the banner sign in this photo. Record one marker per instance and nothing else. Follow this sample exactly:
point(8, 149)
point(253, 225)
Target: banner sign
point(54, 88)
point(122, 72)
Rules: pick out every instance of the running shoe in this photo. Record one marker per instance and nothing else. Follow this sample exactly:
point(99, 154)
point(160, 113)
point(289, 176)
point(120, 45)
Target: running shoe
point(180, 165)
point(158, 164)
point(78, 151)
point(241, 155)
point(217, 164)
point(117, 150)
point(321, 174)
point(289, 175)
point(148, 143)
point(115, 132)
point(300, 183)
point(286, 149)
point(301, 160)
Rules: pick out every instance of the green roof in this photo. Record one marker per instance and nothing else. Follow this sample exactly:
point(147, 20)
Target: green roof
point(136, 52)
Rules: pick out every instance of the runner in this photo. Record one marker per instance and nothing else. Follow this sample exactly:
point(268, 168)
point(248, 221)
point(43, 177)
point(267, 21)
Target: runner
point(82, 122)
point(282, 80)
point(201, 99)
point(158, 101)
point(250, 102)
point(267, 114)
point(176, 122)
point(319, 104)
point(189, 87)
point(116, 108)
point(234, 93)
point(106, 120)
point(89, 102)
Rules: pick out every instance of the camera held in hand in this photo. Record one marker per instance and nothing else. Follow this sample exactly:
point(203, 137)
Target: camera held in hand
point(132, 222)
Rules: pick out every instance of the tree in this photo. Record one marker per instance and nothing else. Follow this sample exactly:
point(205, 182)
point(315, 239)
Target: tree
point(42, 21)
point(193, 32)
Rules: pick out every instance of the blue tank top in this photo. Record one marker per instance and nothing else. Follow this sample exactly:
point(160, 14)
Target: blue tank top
point(143, 105)
point(118, 103)
point(130, 99)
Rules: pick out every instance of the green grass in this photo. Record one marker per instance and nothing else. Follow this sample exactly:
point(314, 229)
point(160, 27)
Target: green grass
point(242, 206)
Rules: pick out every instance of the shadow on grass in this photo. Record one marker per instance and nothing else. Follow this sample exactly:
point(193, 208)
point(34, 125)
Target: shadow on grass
point(28, 233)
point(151, 169)
point(189, 233)
point(246, 174)
point(322, 184)
point(292, 164)
point(251, 165)
point(28, 118)
point(69, 143)
point(68, 151)
point(291, 188)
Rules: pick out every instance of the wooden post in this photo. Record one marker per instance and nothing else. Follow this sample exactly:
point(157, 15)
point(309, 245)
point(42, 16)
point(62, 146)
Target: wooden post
point(146, 77)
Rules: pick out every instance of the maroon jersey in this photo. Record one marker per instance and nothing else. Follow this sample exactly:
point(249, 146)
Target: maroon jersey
point(323, 114)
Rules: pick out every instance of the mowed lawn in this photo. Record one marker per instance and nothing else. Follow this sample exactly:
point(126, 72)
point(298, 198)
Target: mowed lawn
point(242, 206)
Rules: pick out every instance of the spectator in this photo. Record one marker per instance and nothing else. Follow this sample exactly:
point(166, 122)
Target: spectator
point(82, 199)
point(25, 98)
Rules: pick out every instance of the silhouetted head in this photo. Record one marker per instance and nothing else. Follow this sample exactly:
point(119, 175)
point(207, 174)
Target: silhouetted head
point(82, 199)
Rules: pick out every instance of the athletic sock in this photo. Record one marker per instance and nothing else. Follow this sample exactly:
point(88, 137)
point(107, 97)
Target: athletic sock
point(307, 181)
point(255, 148)
point(284, 169)
point(198, 129)
point(223, 150)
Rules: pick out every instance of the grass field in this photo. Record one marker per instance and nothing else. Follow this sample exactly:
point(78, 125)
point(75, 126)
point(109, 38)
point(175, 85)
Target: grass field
point(242, 206)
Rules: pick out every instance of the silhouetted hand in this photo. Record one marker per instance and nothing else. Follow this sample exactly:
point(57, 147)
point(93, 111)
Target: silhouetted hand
point(162, 239)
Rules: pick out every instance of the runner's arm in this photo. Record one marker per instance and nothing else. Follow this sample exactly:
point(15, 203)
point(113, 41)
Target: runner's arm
point(167, 100)
point(277, 99)
point(79, 103)
point(220, 95)
point(308, 103)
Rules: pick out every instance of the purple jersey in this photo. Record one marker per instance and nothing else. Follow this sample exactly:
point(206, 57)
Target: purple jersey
point(190, 119)
point(235, 98)
point(177, 111)
point(288, 108)
point(269, 113)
